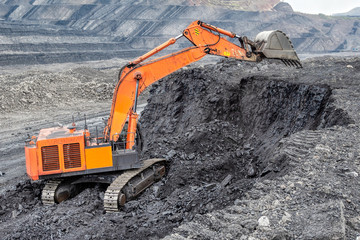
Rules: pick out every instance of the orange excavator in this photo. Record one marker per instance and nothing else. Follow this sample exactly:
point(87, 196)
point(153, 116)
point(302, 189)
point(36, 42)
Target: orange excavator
point(67, 157)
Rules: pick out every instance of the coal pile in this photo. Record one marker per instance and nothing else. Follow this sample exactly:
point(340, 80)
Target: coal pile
point(253, 150)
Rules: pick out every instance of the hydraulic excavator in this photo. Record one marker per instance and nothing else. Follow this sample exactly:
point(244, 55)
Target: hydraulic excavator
point(66, 156)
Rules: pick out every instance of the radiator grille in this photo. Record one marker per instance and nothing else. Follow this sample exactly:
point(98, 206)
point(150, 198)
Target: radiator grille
point(50, 158)
point(72, 157)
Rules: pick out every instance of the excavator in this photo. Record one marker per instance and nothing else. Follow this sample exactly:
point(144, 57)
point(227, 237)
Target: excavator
point(67, 157)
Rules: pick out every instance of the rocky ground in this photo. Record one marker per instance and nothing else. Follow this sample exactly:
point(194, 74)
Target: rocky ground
point(255, 151)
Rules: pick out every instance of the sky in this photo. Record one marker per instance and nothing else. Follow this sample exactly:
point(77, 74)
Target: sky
point(327, 7)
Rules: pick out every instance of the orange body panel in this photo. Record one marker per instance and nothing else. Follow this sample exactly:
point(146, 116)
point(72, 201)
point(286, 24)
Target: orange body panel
point(31, 162)
point(66, 152)
point(98, 157)
point(60, 150)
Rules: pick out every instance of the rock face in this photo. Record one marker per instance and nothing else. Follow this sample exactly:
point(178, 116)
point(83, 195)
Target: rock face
point(34, 32)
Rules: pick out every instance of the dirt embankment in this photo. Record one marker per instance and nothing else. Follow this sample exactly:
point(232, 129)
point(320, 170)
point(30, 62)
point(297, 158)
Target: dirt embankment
point(254, 150)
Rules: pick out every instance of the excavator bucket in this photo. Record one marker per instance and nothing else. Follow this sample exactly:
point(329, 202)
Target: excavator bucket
point(276, 45)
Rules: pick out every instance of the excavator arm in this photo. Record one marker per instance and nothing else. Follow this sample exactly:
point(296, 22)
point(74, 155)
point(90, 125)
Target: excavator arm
point(136, 76)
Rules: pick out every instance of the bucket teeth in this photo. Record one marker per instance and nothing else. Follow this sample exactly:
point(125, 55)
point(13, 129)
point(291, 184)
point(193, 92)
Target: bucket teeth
point(292, 63)
point(288, 63)
point(298, 64)
point(284, 62)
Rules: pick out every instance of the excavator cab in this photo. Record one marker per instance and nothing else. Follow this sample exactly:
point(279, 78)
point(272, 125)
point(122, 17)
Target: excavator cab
point(276, 45)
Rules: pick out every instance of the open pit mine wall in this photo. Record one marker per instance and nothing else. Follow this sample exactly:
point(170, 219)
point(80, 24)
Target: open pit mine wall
point(65, 31)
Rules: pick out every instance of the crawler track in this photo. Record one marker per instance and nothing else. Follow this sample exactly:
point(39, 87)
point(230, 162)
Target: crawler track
point(126, 186)
point(48, 193)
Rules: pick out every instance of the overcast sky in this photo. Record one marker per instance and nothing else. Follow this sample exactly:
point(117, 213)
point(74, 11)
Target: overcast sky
point(323, 6)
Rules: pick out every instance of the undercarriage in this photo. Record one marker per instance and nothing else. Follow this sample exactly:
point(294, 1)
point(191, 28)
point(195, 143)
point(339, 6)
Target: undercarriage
point(122, 187)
